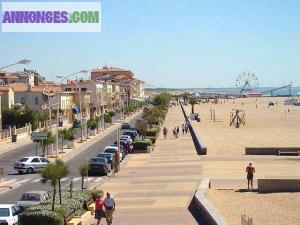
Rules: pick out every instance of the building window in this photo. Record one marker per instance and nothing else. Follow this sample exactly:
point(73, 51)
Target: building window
point(36, 100)
point(23, 101)
point(83, 89)
point(68, 89)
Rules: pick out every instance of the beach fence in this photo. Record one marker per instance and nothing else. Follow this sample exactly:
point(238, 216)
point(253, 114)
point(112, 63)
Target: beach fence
point(246, 220)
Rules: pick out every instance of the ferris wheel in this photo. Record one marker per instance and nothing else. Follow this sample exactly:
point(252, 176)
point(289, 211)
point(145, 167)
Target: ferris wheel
point(246, 81)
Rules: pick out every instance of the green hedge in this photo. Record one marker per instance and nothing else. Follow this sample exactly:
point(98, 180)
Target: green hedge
point(141, 144)
point(42, 215)
point(153, 139)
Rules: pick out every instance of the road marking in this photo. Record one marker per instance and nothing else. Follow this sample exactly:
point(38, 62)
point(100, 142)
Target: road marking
point(64, 179)
point(4, 191)
point(24, 181)
point(76, 179)
point(98, 179)
point(37, 180)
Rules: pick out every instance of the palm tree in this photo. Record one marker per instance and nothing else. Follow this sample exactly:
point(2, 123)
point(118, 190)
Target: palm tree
point(185, 96)
point(193, 102)
point(83, 170)
point(50, 140)
point(50, 173)
point(63, 172)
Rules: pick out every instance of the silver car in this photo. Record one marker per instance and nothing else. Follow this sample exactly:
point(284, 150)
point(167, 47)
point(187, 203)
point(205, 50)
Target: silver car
point(31, 198)
point(30, 164)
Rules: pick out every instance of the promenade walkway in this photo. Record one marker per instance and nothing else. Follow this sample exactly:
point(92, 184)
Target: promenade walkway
point(157, 188)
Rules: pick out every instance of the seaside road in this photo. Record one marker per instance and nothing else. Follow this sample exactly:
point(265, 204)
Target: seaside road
point(157, 188)
point(27, 182)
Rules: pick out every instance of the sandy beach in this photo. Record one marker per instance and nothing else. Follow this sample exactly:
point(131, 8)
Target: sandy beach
point(274, 126)
point(225, 162)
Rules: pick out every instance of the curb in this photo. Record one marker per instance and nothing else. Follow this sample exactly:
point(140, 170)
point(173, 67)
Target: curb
point(207, 211)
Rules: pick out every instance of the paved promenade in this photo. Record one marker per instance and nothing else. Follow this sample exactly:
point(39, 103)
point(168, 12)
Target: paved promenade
point(157, 188)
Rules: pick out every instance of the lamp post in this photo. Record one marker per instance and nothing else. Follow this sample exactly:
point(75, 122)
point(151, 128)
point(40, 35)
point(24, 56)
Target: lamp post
point(21, 62)
point(63, 78)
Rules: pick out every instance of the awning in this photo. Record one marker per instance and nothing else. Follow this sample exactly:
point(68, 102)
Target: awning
point(75, 110)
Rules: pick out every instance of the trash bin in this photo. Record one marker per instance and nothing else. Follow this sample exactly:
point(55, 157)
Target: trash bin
point(14, 138)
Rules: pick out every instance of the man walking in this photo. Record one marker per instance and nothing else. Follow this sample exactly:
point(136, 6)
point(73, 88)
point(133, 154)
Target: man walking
point(117, 162)
point(250, 170)
point(110, 205)
point(165, 132)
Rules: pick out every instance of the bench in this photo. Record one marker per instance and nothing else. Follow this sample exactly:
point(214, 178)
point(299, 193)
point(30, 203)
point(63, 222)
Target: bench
point(91, 208)
point(75, 221)
point(288, 152)
point(68, 216)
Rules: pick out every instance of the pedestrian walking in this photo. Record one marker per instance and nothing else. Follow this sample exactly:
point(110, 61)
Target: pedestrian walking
point(110, 206)
point(250, 170)
point(117, 162)
point(186, 128)
point(182, 128)
point(174, 132)
point(165, 132)
point(99, 212)
point(177, 130)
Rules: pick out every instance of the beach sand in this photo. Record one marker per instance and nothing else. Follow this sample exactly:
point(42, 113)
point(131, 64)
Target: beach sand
point(265, 126)
point(265, 209)
point(225, 162)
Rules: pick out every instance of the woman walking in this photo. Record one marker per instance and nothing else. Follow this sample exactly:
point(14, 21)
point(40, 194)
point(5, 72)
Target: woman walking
point(99, 213)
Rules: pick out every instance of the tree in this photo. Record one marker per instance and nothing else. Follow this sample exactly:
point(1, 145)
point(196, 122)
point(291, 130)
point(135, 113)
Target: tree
point(185, 96)
point(92, 124)
point(50, 173)
point(142, 126)
point(83, 171)
point(192, 102)
point(63, 171)
point(162, 99)
point(107, 118)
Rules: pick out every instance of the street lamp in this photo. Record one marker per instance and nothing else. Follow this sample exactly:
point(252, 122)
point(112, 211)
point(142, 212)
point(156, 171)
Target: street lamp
point(21, 62)
point(63, 78)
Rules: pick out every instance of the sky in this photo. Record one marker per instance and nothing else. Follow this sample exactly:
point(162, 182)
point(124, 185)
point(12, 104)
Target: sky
point(170, 43)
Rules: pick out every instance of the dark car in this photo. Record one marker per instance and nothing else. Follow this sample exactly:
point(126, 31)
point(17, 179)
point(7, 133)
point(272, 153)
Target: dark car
point(108, 156)
point(125, 146)
point(125, 126)
point(99, 165)
point(137, 130)
point(132, 134)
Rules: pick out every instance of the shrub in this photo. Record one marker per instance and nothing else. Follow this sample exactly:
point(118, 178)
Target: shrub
point(153, 139)
point(141, 144)
point(94, 193)
point(41, 214)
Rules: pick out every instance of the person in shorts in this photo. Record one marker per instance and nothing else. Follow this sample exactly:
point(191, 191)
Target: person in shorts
point(250, 170)
point(109, 204)
point(99, 212)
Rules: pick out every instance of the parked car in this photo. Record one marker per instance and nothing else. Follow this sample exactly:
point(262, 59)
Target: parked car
point(9, 214)
point(126, 146)
point(108, 156)
point(30, 164)
point(125, 125)
point(113, 149)
point(137, 130)
point(131, 133)
point(127, 138)
point(31, 198)
point(99, 165)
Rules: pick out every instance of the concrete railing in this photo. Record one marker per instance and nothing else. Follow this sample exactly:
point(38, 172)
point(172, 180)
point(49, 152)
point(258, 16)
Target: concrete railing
point(208, 213)
point(278, 185)
point(270, 150)
point(198, 142)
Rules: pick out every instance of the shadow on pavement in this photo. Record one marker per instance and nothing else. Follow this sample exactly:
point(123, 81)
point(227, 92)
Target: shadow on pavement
point(196, 213)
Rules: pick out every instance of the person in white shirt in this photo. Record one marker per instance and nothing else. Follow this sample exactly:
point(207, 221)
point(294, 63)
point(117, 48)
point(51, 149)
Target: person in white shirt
point(109, 204)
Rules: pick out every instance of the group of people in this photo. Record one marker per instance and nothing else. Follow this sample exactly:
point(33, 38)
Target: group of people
point(104, 208)
point(184, 128)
